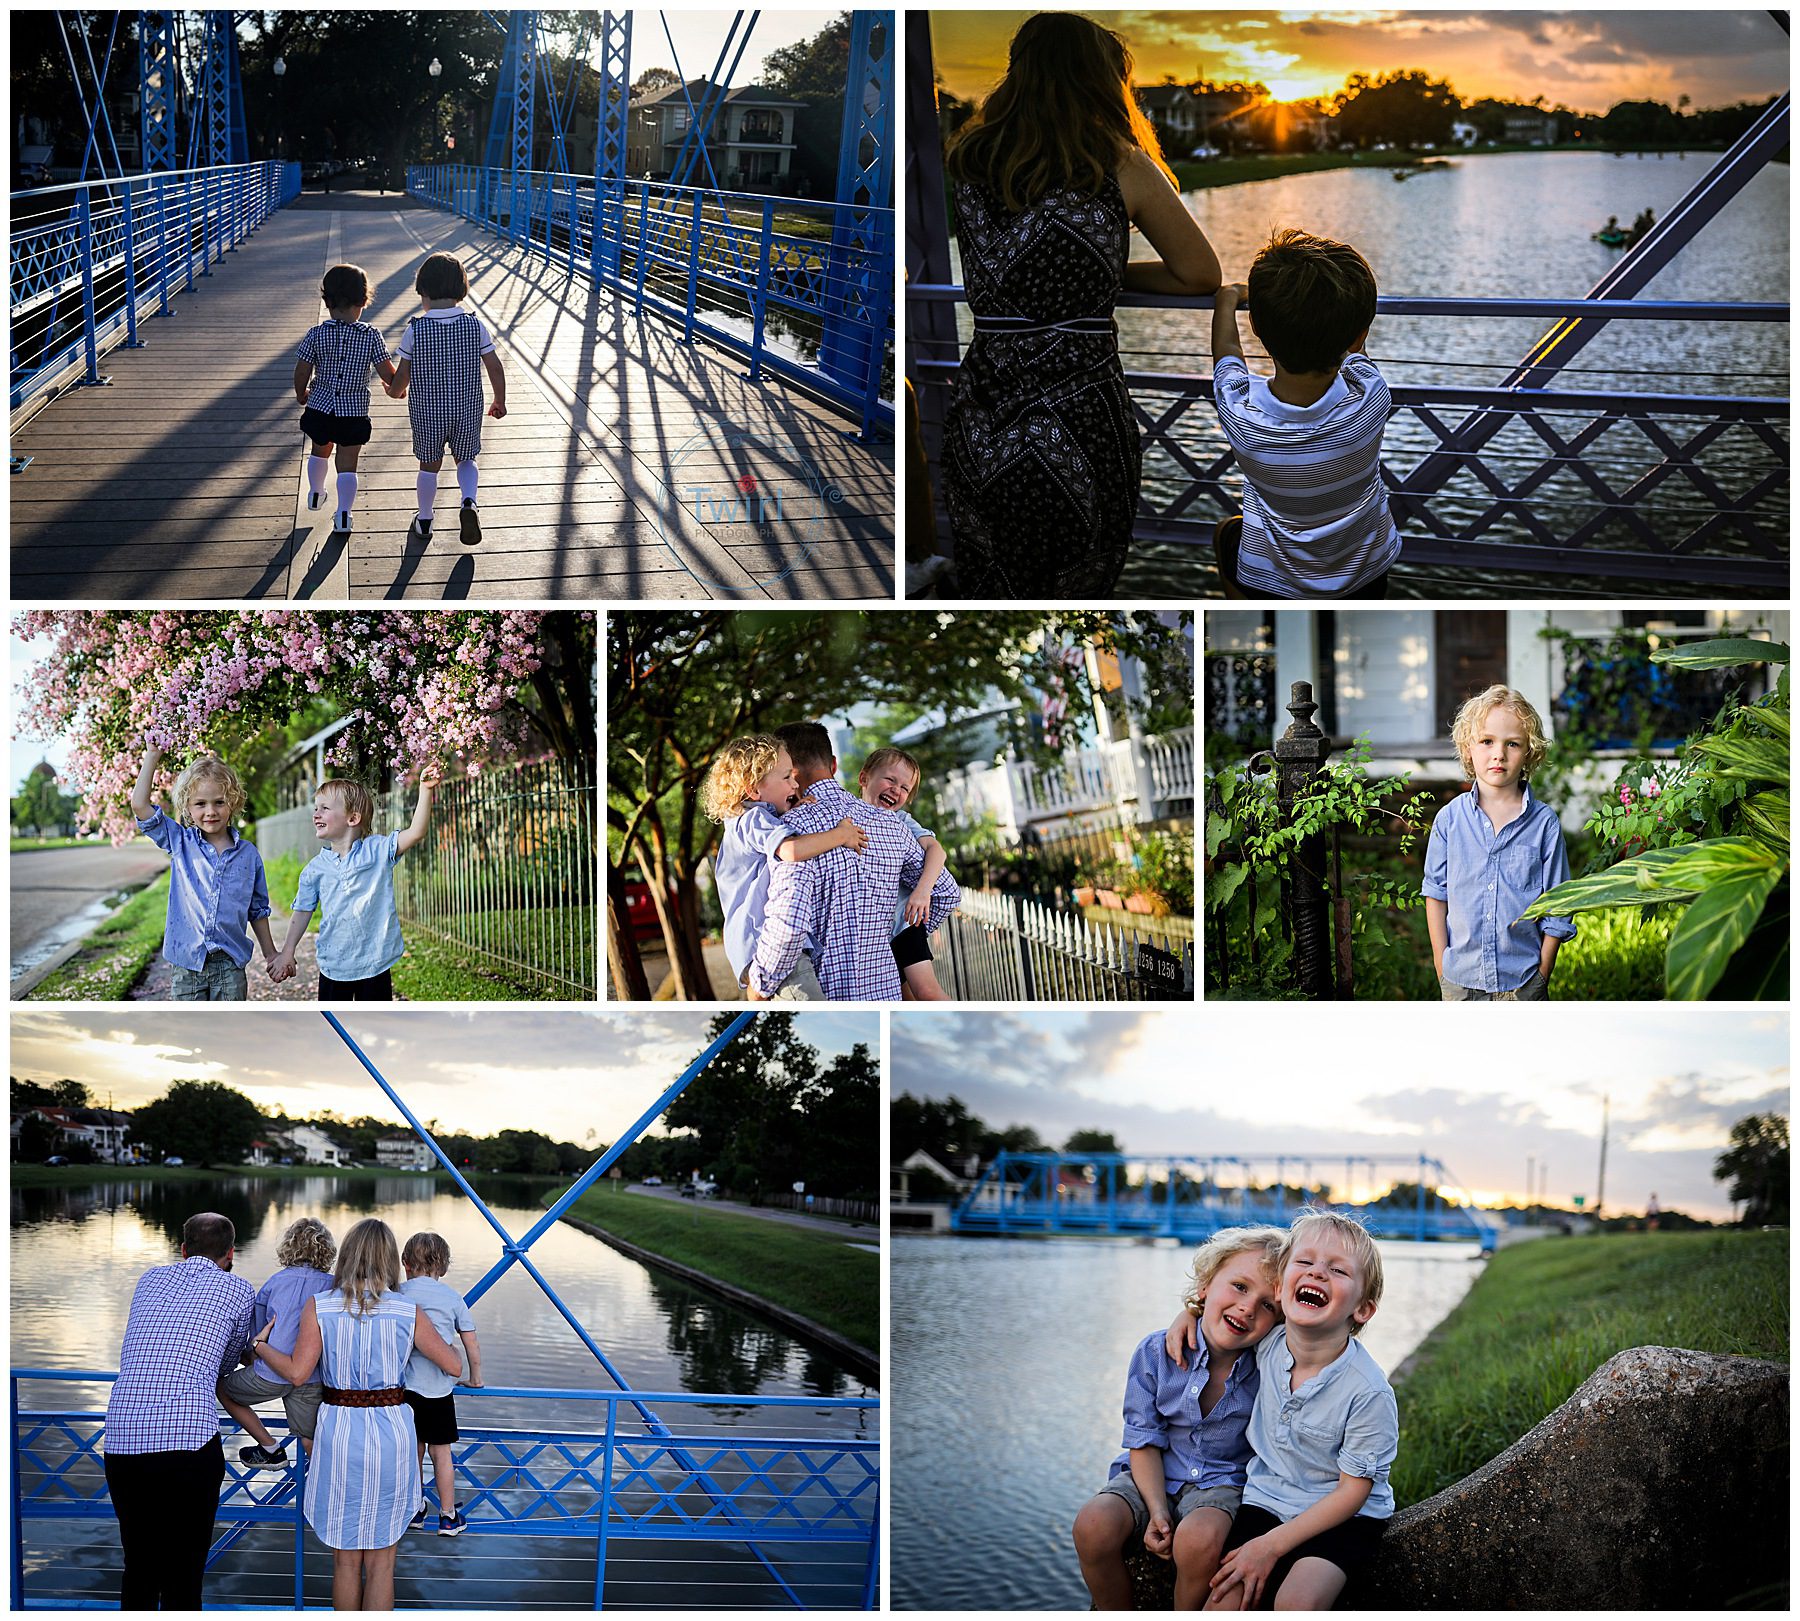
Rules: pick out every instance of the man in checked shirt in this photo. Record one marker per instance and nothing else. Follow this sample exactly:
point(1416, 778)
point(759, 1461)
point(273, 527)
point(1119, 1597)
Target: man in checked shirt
point(839, 906)
point(189, 1323)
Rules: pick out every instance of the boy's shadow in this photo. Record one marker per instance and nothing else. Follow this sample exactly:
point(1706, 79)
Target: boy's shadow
point(462, 572)
point(325, 561)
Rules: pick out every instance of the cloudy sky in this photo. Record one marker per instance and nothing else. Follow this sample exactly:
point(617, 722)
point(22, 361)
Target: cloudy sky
point(1480, 1095)
point(699, 34)
point(1587, 60)
point(577, 1076)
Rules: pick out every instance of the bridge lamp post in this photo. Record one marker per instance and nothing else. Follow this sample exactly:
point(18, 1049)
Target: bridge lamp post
point(280, 71)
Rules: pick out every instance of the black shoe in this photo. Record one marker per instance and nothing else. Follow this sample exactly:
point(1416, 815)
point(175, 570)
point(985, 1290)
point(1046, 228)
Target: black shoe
point(452, 1524)
point(471, 524)
point(421, 529)
point(263, 1457)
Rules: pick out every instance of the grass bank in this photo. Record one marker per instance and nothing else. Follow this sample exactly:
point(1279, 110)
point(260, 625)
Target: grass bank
point(49, 844)
point(1192, 176)
point(819, 1274)
point(115, 954)
point(1544, 1315)
point(82, 1176)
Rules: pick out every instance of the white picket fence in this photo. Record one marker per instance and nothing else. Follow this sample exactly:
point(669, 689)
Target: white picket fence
point(1004, 948)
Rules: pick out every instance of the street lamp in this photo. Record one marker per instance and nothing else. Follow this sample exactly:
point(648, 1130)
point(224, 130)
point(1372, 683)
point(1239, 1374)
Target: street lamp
point(436, 69)
point(280, 74)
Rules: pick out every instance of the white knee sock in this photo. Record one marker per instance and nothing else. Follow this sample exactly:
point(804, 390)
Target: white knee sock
point(427, 495)
point(316, 468)
point(346, 491)
point(468, 475)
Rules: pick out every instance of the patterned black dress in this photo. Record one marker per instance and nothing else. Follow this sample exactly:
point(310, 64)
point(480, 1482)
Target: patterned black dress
point(1041, 457)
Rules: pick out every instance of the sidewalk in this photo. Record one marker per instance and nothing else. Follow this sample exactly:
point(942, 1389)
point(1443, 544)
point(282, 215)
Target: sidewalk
point(303, 987)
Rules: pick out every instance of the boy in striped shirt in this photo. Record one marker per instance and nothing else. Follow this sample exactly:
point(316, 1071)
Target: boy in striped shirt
point(1308, 441)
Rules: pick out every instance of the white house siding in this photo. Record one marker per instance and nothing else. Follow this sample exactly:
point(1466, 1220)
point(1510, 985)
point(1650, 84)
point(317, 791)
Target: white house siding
point(1384, 674)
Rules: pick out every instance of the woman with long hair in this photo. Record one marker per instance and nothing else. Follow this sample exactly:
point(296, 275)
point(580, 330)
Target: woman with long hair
point(1041, 459)
point(362, 1488)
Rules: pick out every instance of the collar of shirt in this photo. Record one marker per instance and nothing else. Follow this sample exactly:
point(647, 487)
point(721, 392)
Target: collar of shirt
point(1528, 810)
point(1262, 398)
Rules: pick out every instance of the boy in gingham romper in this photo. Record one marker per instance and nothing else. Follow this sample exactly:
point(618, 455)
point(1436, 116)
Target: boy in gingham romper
point(442, 355)
point(331, 381)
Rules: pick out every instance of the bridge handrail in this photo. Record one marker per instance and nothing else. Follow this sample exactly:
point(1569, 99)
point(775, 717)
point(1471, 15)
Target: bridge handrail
point(104, 182)
point(1630, 309)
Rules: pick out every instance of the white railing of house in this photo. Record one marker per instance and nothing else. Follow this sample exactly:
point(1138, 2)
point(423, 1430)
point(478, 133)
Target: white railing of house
point(1143, 778)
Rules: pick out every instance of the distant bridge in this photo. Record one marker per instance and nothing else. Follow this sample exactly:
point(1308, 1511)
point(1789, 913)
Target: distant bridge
point(1193, 1196)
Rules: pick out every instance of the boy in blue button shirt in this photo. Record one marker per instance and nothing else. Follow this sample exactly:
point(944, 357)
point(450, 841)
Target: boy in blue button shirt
point(1178, 1484)
point(1323, 1434)
point(1491, 854)
point(218, 894)
point(353, 877)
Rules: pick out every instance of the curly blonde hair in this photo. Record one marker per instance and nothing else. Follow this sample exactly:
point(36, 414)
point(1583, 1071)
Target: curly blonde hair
point(1472, 717)
point(741, 765)
point(307, 1242)
point(1223, 1246)
point(368, 1265)
point(208, 768)
point(1354, 1236)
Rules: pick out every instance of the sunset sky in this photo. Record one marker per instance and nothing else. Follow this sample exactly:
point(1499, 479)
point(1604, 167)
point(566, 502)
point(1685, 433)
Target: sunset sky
point(1387, 1080)
point(1587, 60)
point(576, 1076)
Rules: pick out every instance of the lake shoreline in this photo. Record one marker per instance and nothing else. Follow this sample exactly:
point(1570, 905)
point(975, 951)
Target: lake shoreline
point(1211, 174)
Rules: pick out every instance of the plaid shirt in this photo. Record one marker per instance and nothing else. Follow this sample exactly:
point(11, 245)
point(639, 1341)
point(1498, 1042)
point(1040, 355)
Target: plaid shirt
point(189, 1323)
point(844, 901)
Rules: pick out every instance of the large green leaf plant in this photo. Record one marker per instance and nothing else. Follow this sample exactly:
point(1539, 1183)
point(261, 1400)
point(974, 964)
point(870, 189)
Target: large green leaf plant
point(1709, 836)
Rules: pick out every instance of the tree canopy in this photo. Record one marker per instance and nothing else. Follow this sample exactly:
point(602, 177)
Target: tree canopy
point(207, 1122)
point(1756, 1165)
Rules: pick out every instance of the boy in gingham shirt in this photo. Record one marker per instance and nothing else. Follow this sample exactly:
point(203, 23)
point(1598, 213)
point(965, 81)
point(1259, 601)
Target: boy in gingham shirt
point(331, 381)
point(442, 355)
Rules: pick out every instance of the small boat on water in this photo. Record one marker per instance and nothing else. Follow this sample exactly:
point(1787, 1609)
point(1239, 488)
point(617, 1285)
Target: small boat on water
point(1426, 166)
point(1614, 235)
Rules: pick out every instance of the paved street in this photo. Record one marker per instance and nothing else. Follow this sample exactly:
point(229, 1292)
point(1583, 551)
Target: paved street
point(58, 895)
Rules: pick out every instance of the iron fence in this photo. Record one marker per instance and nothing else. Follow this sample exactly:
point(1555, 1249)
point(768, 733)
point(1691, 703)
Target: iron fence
point(802, 289)
point(1004, 948)
point(89, 262)
point(506, 873)
point(818, 1205)
point(766, 1519)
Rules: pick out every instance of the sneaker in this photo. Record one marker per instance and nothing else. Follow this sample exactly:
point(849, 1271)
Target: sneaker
point(452, 1524)
point(340, 525)
point(263, 1457)
point(418, 1520)
point(314, 500)
point(421, 529)
point(471, 524)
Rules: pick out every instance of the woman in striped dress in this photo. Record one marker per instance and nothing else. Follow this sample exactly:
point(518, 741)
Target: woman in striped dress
point(362, 1486)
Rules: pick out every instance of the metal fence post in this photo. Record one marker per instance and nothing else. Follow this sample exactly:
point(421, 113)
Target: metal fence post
point(765, 248)
point(131, 332)
point(205, 224)
point(693, 286)
point(1021, 951)
point(300, 1530)
point(605, 1509)
point(18, 1518)
point(643, 236)
point(1300, 755)
point(84, 214)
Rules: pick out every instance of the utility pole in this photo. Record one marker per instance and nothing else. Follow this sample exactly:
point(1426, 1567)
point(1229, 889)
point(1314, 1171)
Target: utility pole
point(1600, 1192)
point(1530, 1180)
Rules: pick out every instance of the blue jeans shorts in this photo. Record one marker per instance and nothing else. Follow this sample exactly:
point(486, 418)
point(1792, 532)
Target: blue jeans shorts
point(218, 979)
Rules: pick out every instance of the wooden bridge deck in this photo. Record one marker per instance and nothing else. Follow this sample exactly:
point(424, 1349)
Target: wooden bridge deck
point(184, 478)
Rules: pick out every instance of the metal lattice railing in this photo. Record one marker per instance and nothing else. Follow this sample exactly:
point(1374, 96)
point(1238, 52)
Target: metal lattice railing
point(1004, 948)
point(632, 1480)
point(771, 278)
point(506, 873)
point(89, 262)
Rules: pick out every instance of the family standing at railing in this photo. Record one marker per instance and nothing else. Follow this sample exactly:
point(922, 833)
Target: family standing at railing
point(361, 1361)
point(1041, 459)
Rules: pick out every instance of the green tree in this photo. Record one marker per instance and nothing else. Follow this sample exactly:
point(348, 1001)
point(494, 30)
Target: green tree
point(203, 1121)
point(743, 1108)
point(944, 1129)
point(40, 807)
point(37, 1139)
point(815, 72)
point(1757, 1166)
point(1091, 1141)
point(1407, 107)
point(840, 1128)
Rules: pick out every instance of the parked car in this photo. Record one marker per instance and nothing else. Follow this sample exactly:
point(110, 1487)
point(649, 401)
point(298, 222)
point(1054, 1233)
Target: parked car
point(57, 1159)
point(699, 1190)
point(653, 1181)
point(174, 1159)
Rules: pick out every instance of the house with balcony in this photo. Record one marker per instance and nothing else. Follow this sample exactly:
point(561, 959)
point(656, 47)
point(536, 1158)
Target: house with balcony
point(402, 1154)
point(751, 140)
point(1398, 676)
point(1111, 775)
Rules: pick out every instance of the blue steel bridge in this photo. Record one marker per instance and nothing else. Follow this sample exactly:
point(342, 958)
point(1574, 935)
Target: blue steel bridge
point(699, 379)
point(1543, 482)
point(1192, 1196)
point(586, 1497)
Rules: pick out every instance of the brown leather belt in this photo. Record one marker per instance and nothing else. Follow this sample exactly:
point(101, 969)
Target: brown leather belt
point(393, 1396)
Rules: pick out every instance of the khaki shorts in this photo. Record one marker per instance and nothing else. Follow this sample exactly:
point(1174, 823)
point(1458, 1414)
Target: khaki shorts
point(1535, 989)
point(301, 1402)
point(1224, 1498)
point(802, 985)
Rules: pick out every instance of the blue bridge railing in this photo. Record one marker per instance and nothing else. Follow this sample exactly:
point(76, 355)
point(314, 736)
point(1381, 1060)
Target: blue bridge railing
point(89, 262)
point(808, 1506)
point(1187, 1197)
point(1612, 483)
point(802, 289)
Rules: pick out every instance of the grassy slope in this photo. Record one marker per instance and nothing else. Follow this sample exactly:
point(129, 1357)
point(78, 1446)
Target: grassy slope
point(1544, 1315)
point(115, 954)
point(819, 1274)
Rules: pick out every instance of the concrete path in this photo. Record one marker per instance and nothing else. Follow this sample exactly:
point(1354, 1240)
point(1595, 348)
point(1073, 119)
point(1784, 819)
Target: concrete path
point(59, 895)
point(303, 987)
point(185, 477)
